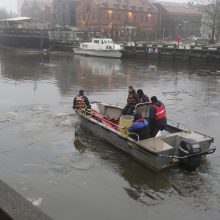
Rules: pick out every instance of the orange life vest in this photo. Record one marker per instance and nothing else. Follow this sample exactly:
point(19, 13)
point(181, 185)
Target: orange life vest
point(160, 112)
point(80, 102)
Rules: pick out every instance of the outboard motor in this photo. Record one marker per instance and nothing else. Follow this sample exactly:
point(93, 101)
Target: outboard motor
point(190, 150)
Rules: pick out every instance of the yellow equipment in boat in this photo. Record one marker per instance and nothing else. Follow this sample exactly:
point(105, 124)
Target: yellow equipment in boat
point(125, 122)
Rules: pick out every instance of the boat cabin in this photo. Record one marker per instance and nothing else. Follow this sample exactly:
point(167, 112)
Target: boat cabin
point(102, 41)
point(100, 44)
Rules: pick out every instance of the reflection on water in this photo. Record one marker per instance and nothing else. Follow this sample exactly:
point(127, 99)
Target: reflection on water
point(99, 66)
point(45, 153)
point(144, 185)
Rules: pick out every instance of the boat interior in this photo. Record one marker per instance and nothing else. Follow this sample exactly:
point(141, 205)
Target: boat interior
point(166, 140)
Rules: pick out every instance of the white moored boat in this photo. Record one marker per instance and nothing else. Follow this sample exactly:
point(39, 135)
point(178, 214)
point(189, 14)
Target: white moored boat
point(176, 145)
point(99, 47)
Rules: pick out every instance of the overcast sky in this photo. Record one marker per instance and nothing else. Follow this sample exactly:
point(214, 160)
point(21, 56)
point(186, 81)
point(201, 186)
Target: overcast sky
point(11, 5)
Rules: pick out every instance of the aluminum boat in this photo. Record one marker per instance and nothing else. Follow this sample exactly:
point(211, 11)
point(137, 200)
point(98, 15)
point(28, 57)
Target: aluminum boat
point(178, 144)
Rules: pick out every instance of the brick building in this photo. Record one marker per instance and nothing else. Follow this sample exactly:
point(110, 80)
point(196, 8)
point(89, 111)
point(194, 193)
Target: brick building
point(120, 19)
point(177, 18)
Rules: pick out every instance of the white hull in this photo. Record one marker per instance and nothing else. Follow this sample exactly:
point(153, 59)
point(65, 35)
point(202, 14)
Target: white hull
point(99, 53)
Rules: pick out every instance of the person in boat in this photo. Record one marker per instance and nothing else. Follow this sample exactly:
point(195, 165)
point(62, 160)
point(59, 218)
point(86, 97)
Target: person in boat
point(157, 115)
point(140, 127)
point(132, 100)
point(81, 101)
point(142, 97)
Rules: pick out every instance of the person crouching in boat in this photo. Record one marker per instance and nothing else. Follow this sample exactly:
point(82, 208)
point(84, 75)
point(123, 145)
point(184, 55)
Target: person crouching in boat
point(132, 100)
point(142, 97)
point(81, 102)
point(140, 127)
point(158, 119)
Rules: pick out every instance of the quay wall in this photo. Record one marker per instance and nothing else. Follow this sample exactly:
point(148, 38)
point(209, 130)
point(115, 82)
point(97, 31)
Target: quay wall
point(24, 38)
point(172, 53)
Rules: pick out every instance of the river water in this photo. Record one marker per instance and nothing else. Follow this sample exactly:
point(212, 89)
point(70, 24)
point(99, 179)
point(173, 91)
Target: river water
point(70, 174)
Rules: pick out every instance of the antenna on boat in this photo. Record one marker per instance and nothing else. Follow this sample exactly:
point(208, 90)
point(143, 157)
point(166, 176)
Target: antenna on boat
point(186, 125)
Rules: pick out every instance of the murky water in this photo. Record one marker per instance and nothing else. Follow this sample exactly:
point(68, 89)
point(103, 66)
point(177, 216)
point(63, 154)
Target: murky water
point(73, 175)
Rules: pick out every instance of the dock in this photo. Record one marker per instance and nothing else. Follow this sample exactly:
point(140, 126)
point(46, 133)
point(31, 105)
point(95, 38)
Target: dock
point(173, 53)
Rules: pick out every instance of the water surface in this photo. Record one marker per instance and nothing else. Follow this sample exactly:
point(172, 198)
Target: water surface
point(47, 157)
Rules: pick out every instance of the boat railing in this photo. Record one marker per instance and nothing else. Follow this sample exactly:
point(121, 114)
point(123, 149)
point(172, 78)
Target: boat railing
point(100, 119)
point(142, 104)
point(180, 125)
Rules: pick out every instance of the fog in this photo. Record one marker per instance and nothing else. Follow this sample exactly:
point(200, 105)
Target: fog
point(9, 5)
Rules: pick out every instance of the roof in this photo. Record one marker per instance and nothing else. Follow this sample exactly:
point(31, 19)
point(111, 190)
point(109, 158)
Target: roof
point(17, 19)
point(133, 5)
point(178, 8)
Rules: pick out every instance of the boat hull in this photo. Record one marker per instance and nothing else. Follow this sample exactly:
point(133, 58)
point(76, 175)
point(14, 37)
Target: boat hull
point(99, 53)
point(122, 142)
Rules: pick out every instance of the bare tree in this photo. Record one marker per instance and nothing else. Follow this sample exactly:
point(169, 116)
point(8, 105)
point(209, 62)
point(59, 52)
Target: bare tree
point(3, 13)
point(211, 8)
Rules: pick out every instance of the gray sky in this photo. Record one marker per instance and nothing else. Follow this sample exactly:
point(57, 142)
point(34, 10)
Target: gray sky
point(11, 5)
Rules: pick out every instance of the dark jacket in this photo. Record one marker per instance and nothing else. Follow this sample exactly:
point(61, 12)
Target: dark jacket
point(141, 128)
point(156, 123)
point(143, 98)
point(132, 98)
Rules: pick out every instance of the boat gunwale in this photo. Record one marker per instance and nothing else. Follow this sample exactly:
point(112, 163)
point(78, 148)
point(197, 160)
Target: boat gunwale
point(119, 134)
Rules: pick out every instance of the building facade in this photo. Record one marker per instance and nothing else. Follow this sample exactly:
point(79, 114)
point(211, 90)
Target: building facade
point(64, 12)
point(40, 2)
point(177, 19)
point(38, 10)
point(129, 20)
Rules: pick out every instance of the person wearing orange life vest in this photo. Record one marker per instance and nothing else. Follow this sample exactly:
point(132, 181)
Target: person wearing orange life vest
point(132, 100)
point(157, 115)
point(81, 101)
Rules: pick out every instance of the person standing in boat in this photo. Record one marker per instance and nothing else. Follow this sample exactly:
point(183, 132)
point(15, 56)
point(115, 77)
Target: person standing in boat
point(132, 100)
point(158, 119)
point(142, 97)
point(81, 101)
point(140, 127)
